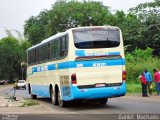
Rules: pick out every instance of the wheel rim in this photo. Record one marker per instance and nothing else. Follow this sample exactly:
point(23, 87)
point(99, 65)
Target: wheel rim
point(59, 99)
point(52, 96)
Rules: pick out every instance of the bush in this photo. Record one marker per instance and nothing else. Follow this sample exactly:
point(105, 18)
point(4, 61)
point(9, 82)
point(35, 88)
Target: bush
point(137, 88)
point(29, 103)
point(137, 61)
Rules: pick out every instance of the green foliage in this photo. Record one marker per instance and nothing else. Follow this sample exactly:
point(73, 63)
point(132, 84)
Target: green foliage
point(134, 88)
point(29, 103)
point(12, 53)
point(139, 54)
point(137, 88)
point(137, 61)
point(64, 15)
point(140, 27)
point(149, 14)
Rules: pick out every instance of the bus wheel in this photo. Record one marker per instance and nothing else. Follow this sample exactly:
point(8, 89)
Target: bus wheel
point(29, 89)
point(54, 98)
point(103, 101)
point(60, 101)
point(33, 96)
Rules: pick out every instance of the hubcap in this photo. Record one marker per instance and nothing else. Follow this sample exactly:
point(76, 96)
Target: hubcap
point(52, 96)
point(59, 99)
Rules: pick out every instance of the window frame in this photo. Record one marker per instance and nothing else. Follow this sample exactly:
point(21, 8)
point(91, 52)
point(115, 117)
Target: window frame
point(47, 50)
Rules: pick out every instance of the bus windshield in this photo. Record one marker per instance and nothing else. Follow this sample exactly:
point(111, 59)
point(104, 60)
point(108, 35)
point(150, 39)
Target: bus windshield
point(90, 38)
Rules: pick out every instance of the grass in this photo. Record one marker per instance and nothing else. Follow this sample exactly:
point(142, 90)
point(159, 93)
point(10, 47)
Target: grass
point(133, 88)
point(29, 102)
point(137, 88)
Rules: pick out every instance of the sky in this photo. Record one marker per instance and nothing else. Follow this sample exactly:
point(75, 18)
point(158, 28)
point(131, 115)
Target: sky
point(14, 13)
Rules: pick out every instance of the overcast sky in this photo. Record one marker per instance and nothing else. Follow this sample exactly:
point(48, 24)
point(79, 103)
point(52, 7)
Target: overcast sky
point(13, 13)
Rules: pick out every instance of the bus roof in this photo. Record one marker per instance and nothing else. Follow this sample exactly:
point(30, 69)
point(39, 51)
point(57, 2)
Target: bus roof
point(48, 39)
point(63, 33)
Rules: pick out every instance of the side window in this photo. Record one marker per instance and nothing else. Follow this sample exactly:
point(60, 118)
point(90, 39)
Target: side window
point(37, 54)
point(64, 46)
point(40, 53)
point(66, 42)
point(29, 57)
point(53, 49)
point(61, 48)
point(49, 51)
point(34, 55)
point(57, 49)
point(32, 58)
point(43, 52)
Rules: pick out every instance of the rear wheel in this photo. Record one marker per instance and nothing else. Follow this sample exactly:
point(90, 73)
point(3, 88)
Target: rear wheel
point(61, 102)
point(33, 96)
point(103, 101)
point(54, 97)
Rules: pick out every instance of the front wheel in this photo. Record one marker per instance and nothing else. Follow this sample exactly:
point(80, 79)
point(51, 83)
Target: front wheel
point(33, 96)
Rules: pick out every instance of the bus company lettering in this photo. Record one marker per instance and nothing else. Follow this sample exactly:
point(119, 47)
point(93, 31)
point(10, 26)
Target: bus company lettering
point(99, 64)
point(95, 54)
point(38, 69)
point(79, 65)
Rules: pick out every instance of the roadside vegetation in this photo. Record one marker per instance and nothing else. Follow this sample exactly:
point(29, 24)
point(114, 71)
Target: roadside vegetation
point(12, 54)
point(136, 62)
point(140, 28)
point(29, 102)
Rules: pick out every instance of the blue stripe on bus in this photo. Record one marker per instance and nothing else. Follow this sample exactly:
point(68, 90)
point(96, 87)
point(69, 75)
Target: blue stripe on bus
point(66, 65)
point(113, 53)
point(52, 67)
point(73, 64)
point(34, 69)
point(80, 53)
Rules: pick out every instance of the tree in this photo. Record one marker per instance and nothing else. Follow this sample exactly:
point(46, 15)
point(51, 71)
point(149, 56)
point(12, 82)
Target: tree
point(12, 53)
point(149, 14)
point(64, 15)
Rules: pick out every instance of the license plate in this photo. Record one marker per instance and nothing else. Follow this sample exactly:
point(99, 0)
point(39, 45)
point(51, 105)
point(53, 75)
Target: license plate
point(100, 85)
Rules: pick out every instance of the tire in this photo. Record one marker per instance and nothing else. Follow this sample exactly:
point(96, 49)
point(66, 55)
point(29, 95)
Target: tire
point(61, 102)
point(29, 89)
point(33, 96)
point(103, 101)
point(54, 96)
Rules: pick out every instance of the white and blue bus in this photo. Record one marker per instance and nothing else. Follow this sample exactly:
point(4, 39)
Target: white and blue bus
point(83, 63)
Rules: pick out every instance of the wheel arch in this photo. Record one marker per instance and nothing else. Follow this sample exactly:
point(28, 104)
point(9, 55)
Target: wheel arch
point(54, 88)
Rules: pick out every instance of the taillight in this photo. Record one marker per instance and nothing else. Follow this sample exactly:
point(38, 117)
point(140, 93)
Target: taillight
point(124, 74)
point(73, 79)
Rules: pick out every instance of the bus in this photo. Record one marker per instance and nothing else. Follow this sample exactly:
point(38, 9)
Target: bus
point(83, 63)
